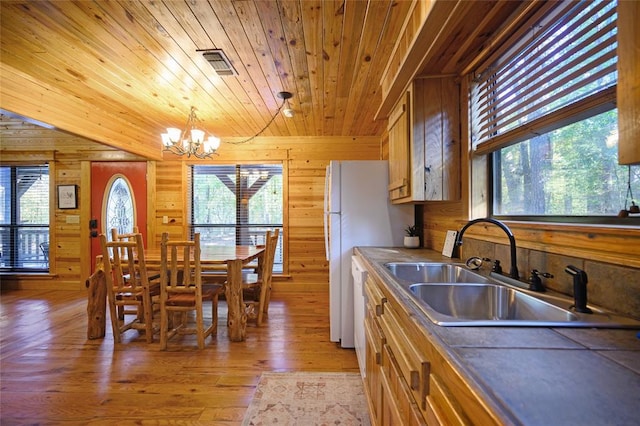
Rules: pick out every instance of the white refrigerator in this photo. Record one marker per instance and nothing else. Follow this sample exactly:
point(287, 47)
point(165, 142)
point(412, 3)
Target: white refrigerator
point(357, 212)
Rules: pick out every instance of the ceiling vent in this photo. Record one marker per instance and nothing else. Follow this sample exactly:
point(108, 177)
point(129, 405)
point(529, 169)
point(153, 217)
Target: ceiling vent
point(219, 62)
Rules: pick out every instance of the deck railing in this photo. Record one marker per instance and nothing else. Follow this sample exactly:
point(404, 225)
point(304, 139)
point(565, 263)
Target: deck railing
point(24, 248)
point(250, 236)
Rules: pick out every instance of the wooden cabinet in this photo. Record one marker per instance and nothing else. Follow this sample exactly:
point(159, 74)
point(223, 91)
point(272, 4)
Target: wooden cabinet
point(390, 396)
point(408, 380)
point(401, 152)
point(424, 142)
point(628, 93)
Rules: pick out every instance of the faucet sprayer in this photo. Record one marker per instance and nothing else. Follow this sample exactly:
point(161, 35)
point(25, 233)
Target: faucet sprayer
point(579, 289)
point(512, 241)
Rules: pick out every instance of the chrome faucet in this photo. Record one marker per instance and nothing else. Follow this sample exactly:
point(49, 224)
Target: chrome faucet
point(512, 241)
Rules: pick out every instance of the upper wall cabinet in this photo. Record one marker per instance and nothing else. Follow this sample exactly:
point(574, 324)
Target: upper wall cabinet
point(424, 142)
point(400, 150)
point(628, 82)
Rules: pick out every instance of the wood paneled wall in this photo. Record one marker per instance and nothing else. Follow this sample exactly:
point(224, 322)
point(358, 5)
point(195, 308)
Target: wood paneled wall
point(69, 238)
point(304, 159)
point(614, 245)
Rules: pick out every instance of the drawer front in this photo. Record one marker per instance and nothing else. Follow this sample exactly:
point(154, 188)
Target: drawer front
point(374, 296)
point(398, 400)
point(415, 367)
point(373, 385)
point(373, 334)
point(441, 406)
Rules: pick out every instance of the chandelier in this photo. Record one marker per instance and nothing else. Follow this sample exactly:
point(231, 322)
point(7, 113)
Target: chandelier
point(191, 140)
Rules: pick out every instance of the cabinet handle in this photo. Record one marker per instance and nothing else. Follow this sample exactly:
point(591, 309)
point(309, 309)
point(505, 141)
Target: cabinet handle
point(380, 307)
point(414, 380)
point(426, 372)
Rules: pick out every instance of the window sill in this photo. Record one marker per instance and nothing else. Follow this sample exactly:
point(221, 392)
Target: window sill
point(588, 222)
point(11, 276)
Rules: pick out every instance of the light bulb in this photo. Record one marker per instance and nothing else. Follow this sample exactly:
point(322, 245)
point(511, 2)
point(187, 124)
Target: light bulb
point(288, 112)
point(214, 143)
point(174, 134)
point(197, 136)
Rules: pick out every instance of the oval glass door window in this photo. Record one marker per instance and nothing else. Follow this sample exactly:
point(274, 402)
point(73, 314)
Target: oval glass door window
point(120, 207)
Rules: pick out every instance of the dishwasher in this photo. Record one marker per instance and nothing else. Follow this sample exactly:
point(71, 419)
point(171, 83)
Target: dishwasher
point(359, 308)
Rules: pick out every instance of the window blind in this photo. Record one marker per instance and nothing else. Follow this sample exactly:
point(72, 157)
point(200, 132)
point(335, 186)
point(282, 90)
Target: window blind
point(563, 69)
point(237, 204)
point(24, 218)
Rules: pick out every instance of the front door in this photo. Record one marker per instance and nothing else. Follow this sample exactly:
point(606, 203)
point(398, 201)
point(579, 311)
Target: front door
point(118, 200)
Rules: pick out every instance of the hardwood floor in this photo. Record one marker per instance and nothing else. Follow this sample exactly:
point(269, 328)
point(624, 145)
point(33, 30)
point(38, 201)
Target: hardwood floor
point(51, 374)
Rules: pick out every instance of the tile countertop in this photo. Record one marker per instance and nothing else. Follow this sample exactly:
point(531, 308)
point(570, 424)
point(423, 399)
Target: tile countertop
point(535, 375)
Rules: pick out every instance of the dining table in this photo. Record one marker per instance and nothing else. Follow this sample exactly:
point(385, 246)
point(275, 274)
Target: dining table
point(216, 260)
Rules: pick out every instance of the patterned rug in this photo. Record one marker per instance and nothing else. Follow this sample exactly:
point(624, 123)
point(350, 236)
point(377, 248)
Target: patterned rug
point(308, 399)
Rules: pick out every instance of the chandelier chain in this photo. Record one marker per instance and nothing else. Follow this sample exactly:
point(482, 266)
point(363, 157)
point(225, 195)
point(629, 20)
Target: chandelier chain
point(284, 101)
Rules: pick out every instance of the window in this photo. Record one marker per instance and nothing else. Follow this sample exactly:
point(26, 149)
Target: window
point(237, 204)
point(544, 108)
point(24, 218)
point(120, 211)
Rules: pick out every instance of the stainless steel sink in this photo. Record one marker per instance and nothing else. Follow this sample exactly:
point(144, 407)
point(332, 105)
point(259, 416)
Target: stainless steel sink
point(487, 303)
point(424, 272)
point(452, 295)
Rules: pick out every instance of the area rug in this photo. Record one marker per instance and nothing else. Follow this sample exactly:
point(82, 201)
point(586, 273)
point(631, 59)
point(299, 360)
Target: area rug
point(308, 399)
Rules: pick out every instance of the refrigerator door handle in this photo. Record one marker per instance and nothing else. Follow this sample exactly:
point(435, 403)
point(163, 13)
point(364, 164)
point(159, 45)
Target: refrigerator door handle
point(327, 179)
point(326, 190)
point(326, 234)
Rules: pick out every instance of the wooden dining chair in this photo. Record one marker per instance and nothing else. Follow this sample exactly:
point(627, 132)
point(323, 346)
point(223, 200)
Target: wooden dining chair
point(128, 285)
point(265, 295)
point(154, 275)
point(181, 291)
point(259, 284)
point(115, 236)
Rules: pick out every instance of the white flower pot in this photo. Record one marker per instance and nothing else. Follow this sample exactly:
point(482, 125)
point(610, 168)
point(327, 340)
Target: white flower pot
point(412, 242)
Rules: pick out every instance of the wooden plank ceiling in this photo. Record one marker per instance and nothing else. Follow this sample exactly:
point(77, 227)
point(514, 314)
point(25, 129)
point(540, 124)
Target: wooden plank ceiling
point(139, 63)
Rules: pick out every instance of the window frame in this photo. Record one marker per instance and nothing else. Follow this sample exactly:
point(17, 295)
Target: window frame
point(282, 245)
point(14, 227)
point(482, 155)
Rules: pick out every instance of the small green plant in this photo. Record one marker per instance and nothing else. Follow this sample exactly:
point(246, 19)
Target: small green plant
point(411, 231)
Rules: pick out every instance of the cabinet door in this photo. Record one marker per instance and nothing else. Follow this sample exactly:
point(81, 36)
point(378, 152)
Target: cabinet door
point(437, 127)
point(399, 150)
point(628, 82)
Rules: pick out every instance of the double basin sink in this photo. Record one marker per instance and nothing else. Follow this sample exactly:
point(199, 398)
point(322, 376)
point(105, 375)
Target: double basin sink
point(452, 295)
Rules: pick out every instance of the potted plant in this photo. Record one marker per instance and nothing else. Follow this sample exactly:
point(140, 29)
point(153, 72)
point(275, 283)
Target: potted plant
point(412, 239)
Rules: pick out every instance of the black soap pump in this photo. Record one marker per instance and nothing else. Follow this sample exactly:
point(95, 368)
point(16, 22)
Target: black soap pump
point(579, 289)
